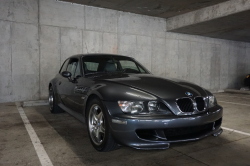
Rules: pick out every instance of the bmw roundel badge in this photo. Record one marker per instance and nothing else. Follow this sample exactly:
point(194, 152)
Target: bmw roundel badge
point(189, 94)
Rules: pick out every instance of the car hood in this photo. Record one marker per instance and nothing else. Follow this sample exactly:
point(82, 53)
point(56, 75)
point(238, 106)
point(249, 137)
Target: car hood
point(164, 88)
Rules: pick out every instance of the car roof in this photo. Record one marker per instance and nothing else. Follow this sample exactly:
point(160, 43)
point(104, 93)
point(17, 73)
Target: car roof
point(96, 54)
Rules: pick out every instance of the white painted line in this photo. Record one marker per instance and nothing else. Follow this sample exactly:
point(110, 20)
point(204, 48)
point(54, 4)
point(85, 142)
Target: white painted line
point(218, 91)
point(35, 103)
point(233, 96)
point(236, 131)
point(234, 103)
point(40, 151)
point(236, 91)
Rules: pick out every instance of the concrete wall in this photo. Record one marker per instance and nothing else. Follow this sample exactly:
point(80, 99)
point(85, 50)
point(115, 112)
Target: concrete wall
point(36, 36)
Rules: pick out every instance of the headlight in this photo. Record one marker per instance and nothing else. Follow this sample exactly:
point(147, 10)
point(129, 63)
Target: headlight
point(137, 107)
point(153, 106)
point(211, 101)
point(131, 107)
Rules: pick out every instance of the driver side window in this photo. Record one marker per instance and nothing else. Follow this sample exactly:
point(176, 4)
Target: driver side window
point(74, 68)
point(64, 67)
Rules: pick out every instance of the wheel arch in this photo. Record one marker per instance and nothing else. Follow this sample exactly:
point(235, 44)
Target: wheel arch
point(87, 101)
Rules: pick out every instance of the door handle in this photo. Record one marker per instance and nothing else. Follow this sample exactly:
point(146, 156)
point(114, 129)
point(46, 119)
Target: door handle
point(60, 83)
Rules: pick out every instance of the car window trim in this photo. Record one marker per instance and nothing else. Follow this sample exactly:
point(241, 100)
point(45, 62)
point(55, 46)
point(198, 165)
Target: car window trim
point(60, 71)
point(112, 57)
point(78, 60)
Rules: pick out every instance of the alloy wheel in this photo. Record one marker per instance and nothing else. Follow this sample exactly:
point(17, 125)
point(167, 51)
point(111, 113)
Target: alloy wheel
point(96, 124)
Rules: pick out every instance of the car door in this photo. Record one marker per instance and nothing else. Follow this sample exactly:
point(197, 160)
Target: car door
point(68, 84)
point(62, 81)
point(74, 90)
point(82, 85)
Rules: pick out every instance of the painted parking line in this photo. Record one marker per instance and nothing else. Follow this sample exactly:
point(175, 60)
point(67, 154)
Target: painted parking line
point(40, 151)
point(233, 96)
point(234, 103)
point(236, 131)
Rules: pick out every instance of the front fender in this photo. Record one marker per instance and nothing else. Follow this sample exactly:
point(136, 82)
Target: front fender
point(109, 91)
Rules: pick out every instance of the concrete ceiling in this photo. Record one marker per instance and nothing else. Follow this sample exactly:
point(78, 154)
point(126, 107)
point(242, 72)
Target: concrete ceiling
point(157, 8)
point(234, 26)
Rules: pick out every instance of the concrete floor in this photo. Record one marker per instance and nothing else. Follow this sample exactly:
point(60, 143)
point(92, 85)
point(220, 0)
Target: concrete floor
point(66, 141)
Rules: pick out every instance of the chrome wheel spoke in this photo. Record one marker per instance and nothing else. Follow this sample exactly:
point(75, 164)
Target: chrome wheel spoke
point(98, 135)
point(95, 118)
point(102, 124)
point(99, 116)
point(102, 129)
point(95, 133)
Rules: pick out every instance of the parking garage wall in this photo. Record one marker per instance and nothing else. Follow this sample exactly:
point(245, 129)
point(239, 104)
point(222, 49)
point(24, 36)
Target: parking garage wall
point(36, 36)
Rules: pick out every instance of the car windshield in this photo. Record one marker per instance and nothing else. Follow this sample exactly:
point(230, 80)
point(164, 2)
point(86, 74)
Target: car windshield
point(107, 64)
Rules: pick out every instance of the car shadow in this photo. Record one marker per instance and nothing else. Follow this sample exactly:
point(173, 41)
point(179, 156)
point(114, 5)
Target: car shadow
point(75, 134)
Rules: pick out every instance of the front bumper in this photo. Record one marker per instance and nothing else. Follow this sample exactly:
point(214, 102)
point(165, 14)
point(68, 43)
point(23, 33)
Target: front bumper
point(158, 131)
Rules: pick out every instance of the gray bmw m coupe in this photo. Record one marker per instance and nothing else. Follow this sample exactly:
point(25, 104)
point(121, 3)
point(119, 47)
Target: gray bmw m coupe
point(122, 103)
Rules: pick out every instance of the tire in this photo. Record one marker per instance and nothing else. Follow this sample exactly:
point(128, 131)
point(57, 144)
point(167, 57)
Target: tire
point(98, 127)
point(53, 106)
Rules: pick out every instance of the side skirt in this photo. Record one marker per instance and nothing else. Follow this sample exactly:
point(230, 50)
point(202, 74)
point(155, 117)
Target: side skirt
point(76, 115)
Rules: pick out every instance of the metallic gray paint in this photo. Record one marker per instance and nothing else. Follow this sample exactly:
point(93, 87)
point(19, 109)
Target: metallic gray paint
point(111, 87)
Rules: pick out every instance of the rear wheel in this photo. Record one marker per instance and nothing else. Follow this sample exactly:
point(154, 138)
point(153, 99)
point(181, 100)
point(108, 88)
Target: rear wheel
point(53, 106)
point(98, 127)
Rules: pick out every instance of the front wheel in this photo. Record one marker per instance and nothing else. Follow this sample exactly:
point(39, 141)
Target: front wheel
point(98, 127)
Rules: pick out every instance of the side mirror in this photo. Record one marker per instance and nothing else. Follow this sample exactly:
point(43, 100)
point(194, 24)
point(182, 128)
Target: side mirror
point(66, 74)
